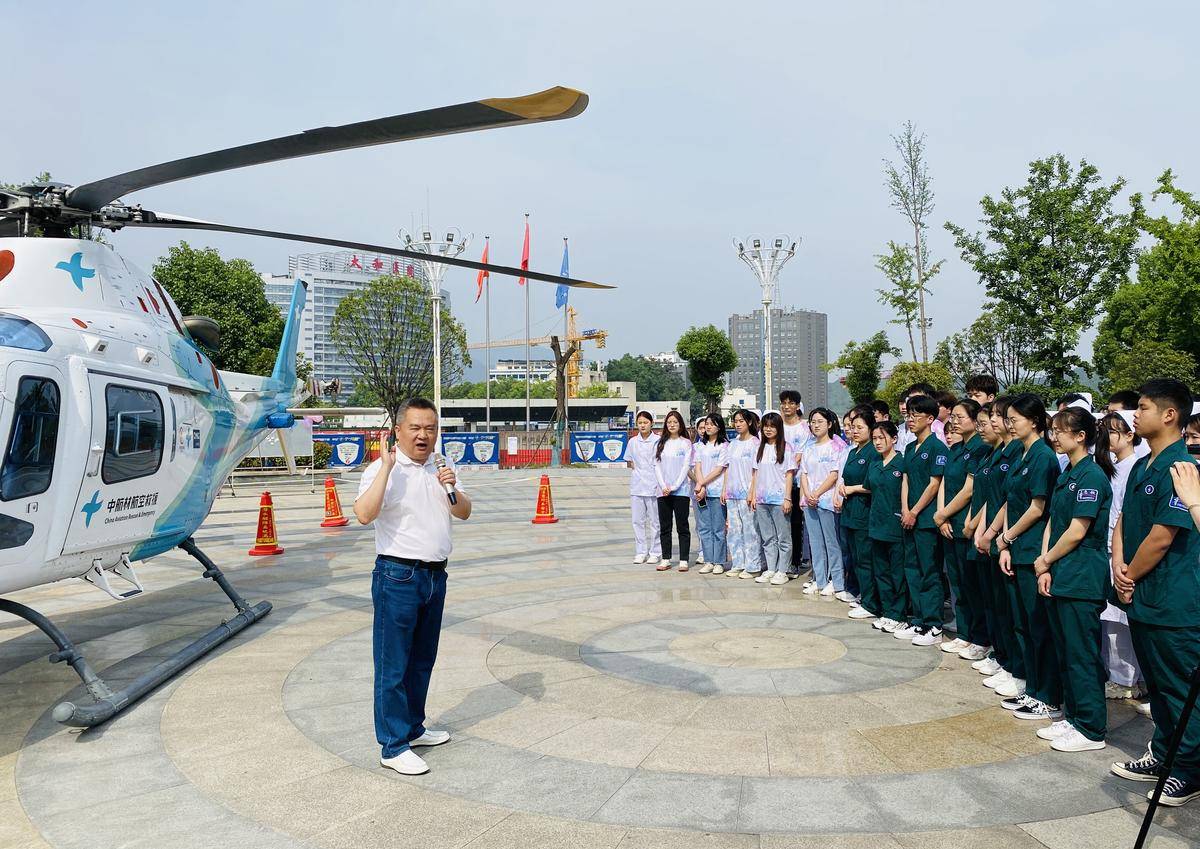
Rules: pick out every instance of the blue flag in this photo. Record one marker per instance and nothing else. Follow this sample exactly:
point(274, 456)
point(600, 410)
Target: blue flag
point(560, 296)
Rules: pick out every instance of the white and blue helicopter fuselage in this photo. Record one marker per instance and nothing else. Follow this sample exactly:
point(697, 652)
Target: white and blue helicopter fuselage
point(117, 428)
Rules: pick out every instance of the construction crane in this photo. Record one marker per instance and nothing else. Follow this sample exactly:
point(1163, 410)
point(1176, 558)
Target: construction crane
point(600, 337)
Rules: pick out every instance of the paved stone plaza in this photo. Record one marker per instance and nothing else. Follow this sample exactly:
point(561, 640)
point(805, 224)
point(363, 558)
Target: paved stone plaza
point(594, 703)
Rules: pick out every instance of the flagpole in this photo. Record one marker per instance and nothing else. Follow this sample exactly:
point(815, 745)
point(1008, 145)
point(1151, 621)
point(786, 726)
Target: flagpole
point(566, 384)
point(527, 359)
point(487, 335)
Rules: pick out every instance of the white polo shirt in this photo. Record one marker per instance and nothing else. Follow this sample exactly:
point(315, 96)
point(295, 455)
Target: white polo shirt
point(414, 521)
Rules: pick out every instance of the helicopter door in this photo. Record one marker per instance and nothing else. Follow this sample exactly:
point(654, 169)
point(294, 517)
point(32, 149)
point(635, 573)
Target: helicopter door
point(32, 428)
point(121, 497)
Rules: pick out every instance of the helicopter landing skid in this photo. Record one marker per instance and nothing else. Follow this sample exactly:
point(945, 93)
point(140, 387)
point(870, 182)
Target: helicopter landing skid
point(107, 703)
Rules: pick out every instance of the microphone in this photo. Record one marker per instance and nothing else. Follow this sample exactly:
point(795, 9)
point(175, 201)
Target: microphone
point(440, 462)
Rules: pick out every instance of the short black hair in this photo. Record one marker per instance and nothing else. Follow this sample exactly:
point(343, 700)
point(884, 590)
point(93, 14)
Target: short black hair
point(1070, 398)
point(946, 399)
point(923, 404)
point(985, 383)
point(881, 408)
point(414, 403)
point(888, 427)
point(1167, 392)
point(920, 389)
point(1127, 398)
point(789, 395)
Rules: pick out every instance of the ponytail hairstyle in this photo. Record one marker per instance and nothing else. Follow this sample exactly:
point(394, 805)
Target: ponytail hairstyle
point(1116, 421)
point(776, 421)
point(1079, 420)
point(750, 419)
point(717, 420)
point(1030, 406)
point(666, 432)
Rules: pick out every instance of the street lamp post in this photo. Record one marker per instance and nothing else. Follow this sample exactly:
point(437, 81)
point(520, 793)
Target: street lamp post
point(766, 260)
point(451, 246)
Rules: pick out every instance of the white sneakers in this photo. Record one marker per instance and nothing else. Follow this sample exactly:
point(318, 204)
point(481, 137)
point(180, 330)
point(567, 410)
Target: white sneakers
point(998, 678)
point(653, 559)
point(764, 577)
point(927, 637)
point(431, 738)
point(407, 762)
point(706, 569)
point(1072, 741)
point(906, 631)
point(987, 666)
point(954, 646)
point(1055, 730)
point(1010, 688)
point(828, 592)
point(778, 579)
point(749, 576)
point(973, 653)
point(718, 569)
point(734, 572)
point(860, 613)
point(810, 589)
point(640, 558)
point(891, 626)
point(847, 597)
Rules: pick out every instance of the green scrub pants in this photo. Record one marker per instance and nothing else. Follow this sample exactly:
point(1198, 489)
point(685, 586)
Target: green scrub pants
point(923, 573)
point(1007, 637)
point(955, 554)
point(864, 568)
point(1042, 679)
point(889, 578)
point(973, 595)
point(1168, 656)
point(1075, 624)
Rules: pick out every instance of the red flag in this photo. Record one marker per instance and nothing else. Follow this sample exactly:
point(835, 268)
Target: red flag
point(525, 253)
point(483, 275)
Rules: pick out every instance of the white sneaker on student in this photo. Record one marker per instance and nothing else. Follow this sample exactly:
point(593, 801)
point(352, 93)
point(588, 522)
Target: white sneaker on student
point(1056, 729)
point(735, 571)
point(998, 678)
point(955, 646)
point(1073, 741)
point(845, 596)
point(893, 625)
point(810, 589)
point(705, 569)
point(700, 557)
point(927, 637)
point(829, 591)
point(778, 579)
point(407, 762)
point(750, 576)
point(987, 666)
point(860, 612)
point(431, 738)
point(1143, 708)
point(881, 623)
point(906, 631)
point(718, 569)
point(974, 653)
point(653, 559)
point(640, 558)
point(1011, 687)
point(763, 577)
point(808, 584)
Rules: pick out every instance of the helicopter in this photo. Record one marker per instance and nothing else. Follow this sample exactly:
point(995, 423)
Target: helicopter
point(118, 430)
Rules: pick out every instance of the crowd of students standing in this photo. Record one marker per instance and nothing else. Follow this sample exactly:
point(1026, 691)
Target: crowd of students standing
point(1064, 549)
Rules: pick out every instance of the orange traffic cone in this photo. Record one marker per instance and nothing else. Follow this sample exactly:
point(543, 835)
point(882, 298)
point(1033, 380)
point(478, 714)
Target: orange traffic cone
point(265, 541)
point(545, 504)
point(333, 507)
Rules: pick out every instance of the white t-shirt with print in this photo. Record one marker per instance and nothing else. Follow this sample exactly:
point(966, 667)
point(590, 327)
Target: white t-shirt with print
point(770, 476)
point(671, 467)
point(712, 457)
point(819, 460)
point(740, 454)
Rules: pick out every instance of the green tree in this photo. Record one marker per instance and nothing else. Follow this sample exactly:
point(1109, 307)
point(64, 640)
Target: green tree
point(863, 363)
point(996, 343)
point(911, 191)
point(231, 293)
point(710, 356)
point(385, 331)
point(364, 396)
point(1053, 252)
point(597, 390)
point(655, 381)
point(1160, 304)
point(1146, 359)
point(905, 375)
point(904, 296)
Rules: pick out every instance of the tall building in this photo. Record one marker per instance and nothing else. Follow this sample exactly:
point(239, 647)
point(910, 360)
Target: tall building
point(331, 277)
point(799, 347)
point(515, 370)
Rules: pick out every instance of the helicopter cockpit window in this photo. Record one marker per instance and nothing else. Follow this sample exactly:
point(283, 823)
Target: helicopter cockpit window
point(29, 458)
point(133, 445)
point(19, 333)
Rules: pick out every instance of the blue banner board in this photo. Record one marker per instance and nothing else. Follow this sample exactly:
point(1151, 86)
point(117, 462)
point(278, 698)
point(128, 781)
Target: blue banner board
point(349, 449)
point(472, 449)
point(599, 446)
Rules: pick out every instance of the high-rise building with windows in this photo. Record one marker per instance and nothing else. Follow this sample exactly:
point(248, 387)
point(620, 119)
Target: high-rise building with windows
point(799, 347)
point(331, 277)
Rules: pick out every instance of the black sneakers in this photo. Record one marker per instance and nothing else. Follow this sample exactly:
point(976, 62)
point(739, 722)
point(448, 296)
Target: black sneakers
point(1145, 768)
point(1177, 791)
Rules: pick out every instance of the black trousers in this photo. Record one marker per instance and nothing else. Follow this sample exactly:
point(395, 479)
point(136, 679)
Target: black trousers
point(679, 506)
point(796, 518)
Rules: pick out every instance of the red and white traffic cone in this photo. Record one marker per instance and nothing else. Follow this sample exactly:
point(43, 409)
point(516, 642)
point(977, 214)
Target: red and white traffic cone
point(545, 504)
point(265, 539)
point(333, 507)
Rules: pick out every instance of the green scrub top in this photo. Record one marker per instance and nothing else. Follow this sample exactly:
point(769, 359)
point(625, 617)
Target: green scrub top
point(963, 461)
point(983, 477)
point(1169, 594)
point(1032, 476)
point(1082, 492)
point(856, 510)
point(922, 463)
point(1002, 460)
point(884, 482)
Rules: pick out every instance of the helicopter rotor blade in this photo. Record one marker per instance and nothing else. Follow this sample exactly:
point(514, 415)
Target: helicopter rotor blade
point(550, 105)
point(178, 222)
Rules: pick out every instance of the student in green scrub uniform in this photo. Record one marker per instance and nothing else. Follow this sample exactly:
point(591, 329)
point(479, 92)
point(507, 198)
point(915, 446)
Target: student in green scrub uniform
point(1009, 680)
point(1156, 568)
point(925, 461)
point(979, 565)
point(855, 500)
point(1073, 572)
point(885, 477)
point(953, 502)
point(1030, 484)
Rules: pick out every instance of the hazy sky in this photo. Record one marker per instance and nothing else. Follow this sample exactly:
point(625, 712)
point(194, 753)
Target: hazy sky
point(707, 120)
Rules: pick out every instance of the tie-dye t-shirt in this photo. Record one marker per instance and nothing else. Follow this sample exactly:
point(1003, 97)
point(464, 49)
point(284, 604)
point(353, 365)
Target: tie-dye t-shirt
point(741, 454)
point(771, 476)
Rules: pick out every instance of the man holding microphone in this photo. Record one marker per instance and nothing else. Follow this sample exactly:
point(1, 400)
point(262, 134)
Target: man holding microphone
point(410, 494)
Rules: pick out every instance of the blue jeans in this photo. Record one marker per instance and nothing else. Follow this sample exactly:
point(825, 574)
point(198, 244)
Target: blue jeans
point(710, 522)
point(408, 621)
point(821, 527)
point(744, 549)
point(776, 534)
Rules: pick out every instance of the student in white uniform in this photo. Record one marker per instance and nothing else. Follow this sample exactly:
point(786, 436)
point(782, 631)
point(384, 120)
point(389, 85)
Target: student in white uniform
point(741, 534)
point(797, 437)
point(712, 458)
point(673, 459)
point(770, 490)
point(818, 485)
point(643, 489)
